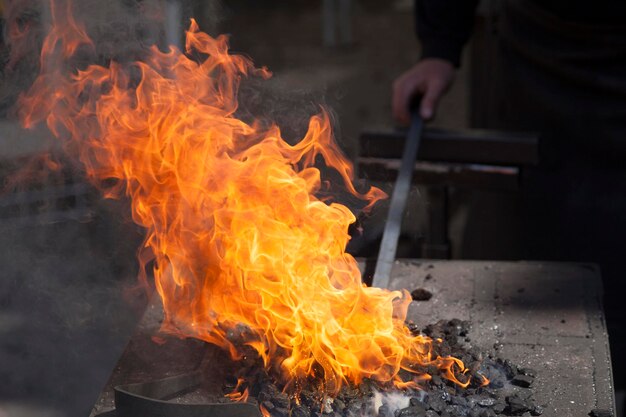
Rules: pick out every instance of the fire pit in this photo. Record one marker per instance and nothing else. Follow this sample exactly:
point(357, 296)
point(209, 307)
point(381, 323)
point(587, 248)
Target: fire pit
point(542, 316)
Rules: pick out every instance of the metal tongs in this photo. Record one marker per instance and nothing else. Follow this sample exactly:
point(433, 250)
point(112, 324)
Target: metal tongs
point(391, 233)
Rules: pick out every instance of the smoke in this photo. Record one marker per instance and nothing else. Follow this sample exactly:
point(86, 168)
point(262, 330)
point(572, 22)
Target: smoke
point(64, 311)
point(387, 403)
point(63, 317)
point(122, 30)
point(393, 401)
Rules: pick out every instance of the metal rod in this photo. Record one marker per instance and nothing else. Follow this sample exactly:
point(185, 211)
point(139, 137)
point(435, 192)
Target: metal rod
point(329, 22)
point(174, 24)
point(391, 233)
point(345, 22)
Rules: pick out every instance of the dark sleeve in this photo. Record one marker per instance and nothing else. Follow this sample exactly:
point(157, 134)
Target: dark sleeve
point(443, 27)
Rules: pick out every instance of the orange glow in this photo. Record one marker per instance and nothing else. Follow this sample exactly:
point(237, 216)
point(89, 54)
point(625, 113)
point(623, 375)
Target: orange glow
point(234, 227)
point(238, 395)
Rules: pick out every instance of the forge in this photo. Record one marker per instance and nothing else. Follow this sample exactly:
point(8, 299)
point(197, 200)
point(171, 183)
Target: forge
point(258, 308)
point(546, 317)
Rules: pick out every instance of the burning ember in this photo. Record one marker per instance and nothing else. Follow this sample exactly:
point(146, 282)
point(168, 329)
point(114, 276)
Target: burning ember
point(246, 253)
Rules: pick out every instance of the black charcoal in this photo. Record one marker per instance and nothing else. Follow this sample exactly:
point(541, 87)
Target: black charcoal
point(412, 411)
point(601, 412)
point(537, 410)
point(456, 411)
point(354, 408)
point(421, 294)
point(458, 400)
point(298, 411)
point(280, 412)
point(486, 402)
point(516, 406)
point(437, 397)
point(416, 401)
point(384, 411)
point(437, 403)
point(523, 381)
point(528, 371)
point(281, 400)
point(499, 407)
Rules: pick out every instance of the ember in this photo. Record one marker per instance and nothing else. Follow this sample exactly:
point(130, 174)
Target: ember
point(438, 397)
point(240, 240)
point(247, 377)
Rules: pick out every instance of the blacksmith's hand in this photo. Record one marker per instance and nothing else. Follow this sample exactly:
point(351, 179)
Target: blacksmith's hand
point(430, 78)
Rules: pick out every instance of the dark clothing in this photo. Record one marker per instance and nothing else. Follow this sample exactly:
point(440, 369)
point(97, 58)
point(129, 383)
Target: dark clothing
point(566, 80)
point(560, 69)
point(444, 26)
point(603, 12)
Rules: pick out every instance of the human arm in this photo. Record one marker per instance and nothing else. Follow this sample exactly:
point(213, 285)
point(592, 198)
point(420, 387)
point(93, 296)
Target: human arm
point(443, 27)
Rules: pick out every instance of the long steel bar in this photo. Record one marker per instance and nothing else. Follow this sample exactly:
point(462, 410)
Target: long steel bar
point(391, 233)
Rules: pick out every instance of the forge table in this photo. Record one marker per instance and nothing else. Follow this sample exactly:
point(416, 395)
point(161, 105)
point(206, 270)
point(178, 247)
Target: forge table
point(545, 316)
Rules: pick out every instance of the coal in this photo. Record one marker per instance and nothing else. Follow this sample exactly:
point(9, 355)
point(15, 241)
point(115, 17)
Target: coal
point(280, 412)
point(600, 412)
point(300, 412)
point(508, 393)
point(385, 411)
point(486, 401)
point(536, 411)
point(499, 407)
point(517, 406)
point(281, 400)
point(421, 294)
point(455, 411)
point(412, 411)
point(437, 380)
point(524, 381)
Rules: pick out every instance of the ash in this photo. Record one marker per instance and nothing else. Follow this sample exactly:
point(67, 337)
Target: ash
point(509, 392)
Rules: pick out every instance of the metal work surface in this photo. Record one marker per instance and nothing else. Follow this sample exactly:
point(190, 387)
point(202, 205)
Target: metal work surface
point(545, 316)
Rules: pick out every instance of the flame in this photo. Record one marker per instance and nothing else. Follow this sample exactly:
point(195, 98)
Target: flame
point(237, 394)
point(234, 227)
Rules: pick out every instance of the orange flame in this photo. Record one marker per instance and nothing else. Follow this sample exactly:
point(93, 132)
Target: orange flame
point(238, 395)
point(264, 411)
point(233, 223)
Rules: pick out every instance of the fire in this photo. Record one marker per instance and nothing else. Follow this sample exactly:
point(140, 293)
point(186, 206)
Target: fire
point(238, 395)
point(240, 241)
